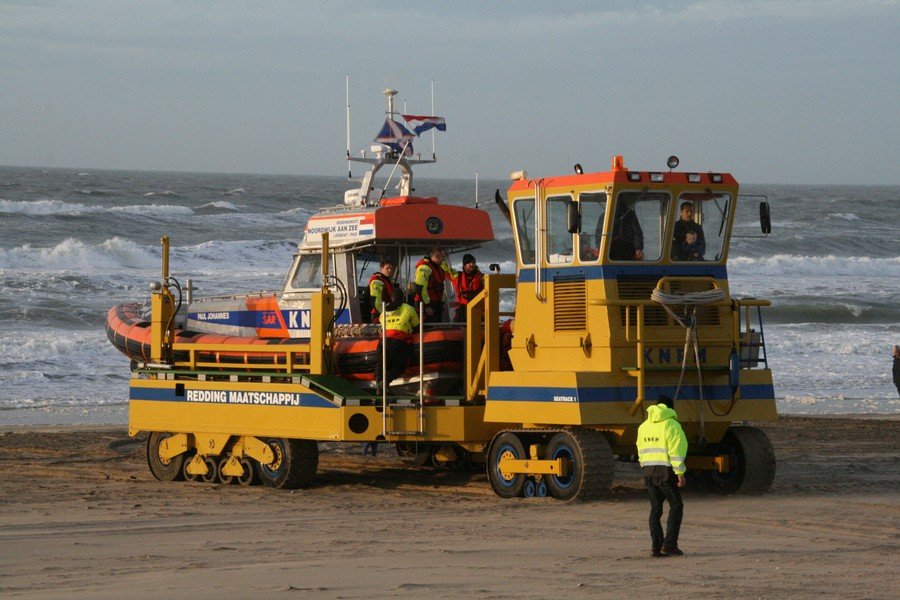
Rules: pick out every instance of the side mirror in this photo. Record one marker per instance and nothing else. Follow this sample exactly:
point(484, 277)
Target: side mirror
point(573, 218)
point(765, 218)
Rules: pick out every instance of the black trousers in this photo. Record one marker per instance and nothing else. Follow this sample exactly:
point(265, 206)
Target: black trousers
point(662, 484)
point(398, 353)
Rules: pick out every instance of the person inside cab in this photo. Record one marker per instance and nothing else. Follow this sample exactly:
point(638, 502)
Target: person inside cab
point(467, 284)
point(381, 288)
point(682, 249)
point(399, 321)
point(431, 271)
point(627, 236)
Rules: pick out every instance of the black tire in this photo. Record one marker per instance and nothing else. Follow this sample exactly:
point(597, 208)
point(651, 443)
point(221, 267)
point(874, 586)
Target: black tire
point(250, 476)
point(170, 470)
point(212, 470)
point(591, 464)
point(508, 445)
point(223, 478)
point(294, 466)
point(752, 462)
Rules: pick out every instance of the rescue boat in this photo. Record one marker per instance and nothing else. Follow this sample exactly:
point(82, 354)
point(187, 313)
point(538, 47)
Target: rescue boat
point(375, 220)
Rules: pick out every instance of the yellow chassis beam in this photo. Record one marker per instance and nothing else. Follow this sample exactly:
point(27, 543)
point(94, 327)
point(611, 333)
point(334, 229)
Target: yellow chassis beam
point(513, 466)
point(722, 464)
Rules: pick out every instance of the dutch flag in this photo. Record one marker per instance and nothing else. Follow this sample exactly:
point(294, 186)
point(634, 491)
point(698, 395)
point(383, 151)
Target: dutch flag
point(421, 124)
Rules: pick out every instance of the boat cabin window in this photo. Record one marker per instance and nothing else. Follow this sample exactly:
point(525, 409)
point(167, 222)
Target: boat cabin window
point(639, 225)
point(593, 209)
point(524, 213)
point(559, 240)
point(700, 226)
point(308, 273)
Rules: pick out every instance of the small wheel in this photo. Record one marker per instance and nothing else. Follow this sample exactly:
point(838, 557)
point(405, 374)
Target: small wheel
point(505, 445)
point(294, 465)
point(212, 470)
point(540, 490)
point(249, 476)
point(528, 489)
point(223, 478)
point(163, 469)
point(188, 476)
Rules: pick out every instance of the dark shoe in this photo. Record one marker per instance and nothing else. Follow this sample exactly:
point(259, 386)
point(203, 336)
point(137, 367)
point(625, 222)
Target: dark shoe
point(657, 554)
point(676, 551)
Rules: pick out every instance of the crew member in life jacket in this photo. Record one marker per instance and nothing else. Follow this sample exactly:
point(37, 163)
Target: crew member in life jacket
point(431, 271)
point(399, 321)
point(381, 287)
point(467, 284)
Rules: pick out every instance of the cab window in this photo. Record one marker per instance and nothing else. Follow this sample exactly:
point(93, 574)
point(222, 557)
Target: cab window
point(308, 273)
point(593, 210)
point(700, 226)
point(638, 226)
point(559, 240)
point(524, 213)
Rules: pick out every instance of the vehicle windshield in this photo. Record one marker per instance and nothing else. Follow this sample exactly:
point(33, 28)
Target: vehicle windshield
point(639, 225)
point(700, 227)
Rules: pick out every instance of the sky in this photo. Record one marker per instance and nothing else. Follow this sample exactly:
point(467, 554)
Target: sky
point(773, 91)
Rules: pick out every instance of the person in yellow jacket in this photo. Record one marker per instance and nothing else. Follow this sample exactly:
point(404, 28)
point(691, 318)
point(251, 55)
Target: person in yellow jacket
point(399, 321)
point(662, 448)
point(431, 271)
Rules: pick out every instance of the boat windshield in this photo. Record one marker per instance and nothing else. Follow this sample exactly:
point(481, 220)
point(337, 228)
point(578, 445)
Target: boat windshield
point(309, 272)
point(701, 226)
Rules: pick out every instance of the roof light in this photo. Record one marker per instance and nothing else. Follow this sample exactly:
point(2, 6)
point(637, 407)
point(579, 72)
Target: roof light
point(634, 176)
point(618, 163)
point(516, 175)
point(672, 162)
point(715, 177)
point(578, 169)
point(656, 177)
point(694, 177)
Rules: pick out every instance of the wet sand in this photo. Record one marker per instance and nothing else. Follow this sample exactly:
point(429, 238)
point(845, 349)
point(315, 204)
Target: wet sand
point(81, 517)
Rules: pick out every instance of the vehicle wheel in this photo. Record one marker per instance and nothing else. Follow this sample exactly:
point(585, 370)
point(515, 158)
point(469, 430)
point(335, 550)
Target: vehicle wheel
point(752, 462)
point(505, 445)
point(212, 470)
point(249, 477)
point(414, 454)
point(294, 466)
point(591, 464)
point(188, 457)
point(226, 479)
point(163, 470)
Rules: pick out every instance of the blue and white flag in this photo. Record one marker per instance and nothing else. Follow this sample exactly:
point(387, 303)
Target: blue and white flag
point(393, 132)
point(421, 124)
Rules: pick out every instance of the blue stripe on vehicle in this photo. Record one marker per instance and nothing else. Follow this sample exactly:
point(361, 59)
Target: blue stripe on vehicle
point(232, 397)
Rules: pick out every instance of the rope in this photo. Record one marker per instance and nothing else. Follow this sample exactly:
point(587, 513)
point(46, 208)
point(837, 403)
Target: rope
point(689, 300)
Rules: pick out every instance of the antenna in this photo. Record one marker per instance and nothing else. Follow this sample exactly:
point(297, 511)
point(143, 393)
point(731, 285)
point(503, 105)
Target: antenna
point(476, 188)
point(349, 173)
point(433, 151)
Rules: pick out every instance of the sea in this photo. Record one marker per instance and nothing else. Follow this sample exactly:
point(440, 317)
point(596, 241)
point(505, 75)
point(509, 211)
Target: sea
point(75, 242)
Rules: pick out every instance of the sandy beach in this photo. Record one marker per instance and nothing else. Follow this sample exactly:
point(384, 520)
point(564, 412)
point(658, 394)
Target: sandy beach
point(81, 517)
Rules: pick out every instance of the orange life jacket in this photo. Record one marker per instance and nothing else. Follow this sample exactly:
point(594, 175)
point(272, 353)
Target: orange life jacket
point(435, 280)
point(468, 286)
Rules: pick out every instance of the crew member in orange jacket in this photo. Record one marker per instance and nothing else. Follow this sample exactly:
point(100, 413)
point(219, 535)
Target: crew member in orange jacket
point(467, 284)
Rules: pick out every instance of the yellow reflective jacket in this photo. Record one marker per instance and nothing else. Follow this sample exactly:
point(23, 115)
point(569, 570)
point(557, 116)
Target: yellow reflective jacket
point(661, 440)
point(401, 323)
